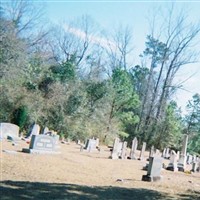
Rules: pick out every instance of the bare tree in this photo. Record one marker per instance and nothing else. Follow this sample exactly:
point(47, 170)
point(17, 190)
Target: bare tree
point(120, 48)
point(170, 46)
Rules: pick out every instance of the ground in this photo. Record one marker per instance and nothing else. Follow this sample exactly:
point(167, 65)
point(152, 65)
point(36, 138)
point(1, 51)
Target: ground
point(82, 175)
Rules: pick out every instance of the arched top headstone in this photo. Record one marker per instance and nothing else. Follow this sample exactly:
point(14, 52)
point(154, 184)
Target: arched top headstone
point(9, 129)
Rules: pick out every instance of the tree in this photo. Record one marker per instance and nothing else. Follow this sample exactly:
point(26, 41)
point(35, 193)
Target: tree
point(121, 100)
point(169, 130)
point(120, 48)
point(192, 123)
point(168, 48)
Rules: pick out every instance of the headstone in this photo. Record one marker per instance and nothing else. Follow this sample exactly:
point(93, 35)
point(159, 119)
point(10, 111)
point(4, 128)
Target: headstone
point(164, 152)
point(123, 152)
point(56, 137)
point(119, 150)
point(198, 167)
point(133, 149)
point(194, 158)
point(34, 131)
point(42, 144)
point(142, 151)
point(151, 153)
point(46, 130)
point(182, 159)
point(194, 167)
point(157, 153)
point(167, 154)
point(178, 155)
point(189, 159)
point(97, 142)
point(78, 142)
point(8, 129)
point(114, 154)
point(154, 169)
point(90, 145)
point(173, 162)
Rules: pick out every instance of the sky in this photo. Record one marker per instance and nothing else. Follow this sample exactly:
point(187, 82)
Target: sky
point(135, 14)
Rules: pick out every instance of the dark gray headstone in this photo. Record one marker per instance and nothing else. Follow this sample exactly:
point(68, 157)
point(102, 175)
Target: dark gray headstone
point(42, 144)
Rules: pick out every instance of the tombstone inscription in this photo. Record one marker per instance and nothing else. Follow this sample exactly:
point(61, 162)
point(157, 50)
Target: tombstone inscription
point(42, 144)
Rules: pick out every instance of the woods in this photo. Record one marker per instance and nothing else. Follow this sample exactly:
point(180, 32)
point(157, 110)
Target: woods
point(76, 81)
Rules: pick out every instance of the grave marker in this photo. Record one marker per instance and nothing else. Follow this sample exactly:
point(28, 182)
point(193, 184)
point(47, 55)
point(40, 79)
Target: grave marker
point(182, 159)
point(90, 145)
point(123, 152)
point(142, 151)
point(133, 149)
point(172, 166)
point(154, 169)
point(114, 154)
point(42, 144)
point(9, 129)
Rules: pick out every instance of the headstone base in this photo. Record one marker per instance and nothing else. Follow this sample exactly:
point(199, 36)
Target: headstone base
point(151, 178)
point(35, 151)
point(114, 157)
point(172, 167)
point(181, 169)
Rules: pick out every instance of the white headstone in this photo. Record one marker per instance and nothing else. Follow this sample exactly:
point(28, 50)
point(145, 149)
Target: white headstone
point(114, 154)
point(142, 151)
point(173, 162)
point(133, 148)
point(183, 156)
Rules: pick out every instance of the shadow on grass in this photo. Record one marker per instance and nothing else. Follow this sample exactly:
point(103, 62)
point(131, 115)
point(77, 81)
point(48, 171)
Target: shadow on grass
point(54, 191)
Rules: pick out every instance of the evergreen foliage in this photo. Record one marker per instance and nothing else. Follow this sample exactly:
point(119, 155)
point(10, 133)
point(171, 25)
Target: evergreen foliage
point(83, 89)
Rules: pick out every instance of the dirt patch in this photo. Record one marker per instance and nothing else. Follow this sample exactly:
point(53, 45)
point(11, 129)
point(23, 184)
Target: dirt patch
point(83, 175)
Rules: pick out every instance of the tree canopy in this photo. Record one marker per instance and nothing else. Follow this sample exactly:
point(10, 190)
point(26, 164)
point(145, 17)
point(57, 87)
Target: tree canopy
point(82, 88)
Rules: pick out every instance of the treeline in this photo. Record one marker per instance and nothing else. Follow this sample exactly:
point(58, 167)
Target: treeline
point(81, 83)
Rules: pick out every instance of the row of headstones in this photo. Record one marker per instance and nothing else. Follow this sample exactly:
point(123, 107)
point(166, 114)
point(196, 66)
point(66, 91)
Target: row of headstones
point(155, 166)
point(120, 150)
point(167, 153)
point(178, 161)
point(36, 131)
point(47, 142)
point(155, 163)
point(155, 160)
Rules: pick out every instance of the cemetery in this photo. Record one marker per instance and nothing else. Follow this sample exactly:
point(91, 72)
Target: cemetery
point(100, 100)
point(42, 166)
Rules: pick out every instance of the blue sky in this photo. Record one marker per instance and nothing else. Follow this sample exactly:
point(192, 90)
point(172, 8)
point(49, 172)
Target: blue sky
point(134, 14)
